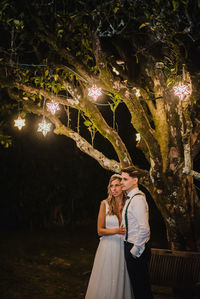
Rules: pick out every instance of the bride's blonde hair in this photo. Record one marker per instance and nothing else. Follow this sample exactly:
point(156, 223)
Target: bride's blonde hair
point(111, 200)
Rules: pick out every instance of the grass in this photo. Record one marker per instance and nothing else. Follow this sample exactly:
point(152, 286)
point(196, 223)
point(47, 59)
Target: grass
point(53, 264)
point(49, 264)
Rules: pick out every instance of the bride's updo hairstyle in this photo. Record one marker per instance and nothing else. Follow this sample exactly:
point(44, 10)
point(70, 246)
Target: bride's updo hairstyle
point(110, 199)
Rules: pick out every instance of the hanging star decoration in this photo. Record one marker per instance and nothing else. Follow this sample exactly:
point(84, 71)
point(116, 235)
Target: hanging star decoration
point(181, 90)
point(44, 127)
point(53, 107)
point(94, 92)
point(19, 122)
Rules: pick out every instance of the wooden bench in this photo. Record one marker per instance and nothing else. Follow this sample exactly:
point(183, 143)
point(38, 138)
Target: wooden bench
point(179, 269)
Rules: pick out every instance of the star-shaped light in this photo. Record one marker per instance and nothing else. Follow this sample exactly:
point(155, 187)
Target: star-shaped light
point(53, 107)
point(94, 92)
point(138, 137)
point(19, 122)
point(181, 90)
point(44, 127)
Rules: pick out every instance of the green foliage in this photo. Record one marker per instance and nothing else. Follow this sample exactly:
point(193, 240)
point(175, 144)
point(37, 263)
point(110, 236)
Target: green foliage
point(170, 81)
point(42, 79)
point(113, 106)
point(116, 100)
point(144, 25)
point(193, 99)
point(91, 128)
point(9, 16)
point(5, 111)
point(5, 141)
point(175, 4)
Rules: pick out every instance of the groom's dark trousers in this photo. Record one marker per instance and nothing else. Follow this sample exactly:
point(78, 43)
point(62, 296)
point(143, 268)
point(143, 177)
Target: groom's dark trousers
point(138, 271)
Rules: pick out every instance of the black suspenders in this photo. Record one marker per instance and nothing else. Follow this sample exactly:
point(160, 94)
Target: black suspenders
point(126, 218)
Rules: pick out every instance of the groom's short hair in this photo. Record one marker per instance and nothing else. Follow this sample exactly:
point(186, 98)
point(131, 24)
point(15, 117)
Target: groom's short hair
point(133, 172)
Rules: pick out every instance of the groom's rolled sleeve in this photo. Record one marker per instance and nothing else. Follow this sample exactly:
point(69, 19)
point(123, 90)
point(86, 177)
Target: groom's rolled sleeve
point(143, 233)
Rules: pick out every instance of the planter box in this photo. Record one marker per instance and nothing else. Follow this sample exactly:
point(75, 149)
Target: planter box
point(178, 269)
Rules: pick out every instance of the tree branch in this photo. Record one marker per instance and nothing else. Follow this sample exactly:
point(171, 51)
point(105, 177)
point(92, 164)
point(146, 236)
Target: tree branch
point(81, 143)
point(141, 123)
point(80, 102)
point(186, 135)
point(139, 118)
point(72, 102)
point(160, 117)
point(105, 130)
point(195, 139)
point(64, 53)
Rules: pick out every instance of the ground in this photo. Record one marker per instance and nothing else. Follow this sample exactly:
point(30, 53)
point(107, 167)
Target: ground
point(53, 263)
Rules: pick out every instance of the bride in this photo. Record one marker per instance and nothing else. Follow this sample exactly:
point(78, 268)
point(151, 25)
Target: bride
point(109, 278)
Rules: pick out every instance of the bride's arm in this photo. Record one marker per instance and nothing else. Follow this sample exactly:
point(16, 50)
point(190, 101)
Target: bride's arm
point(101, 223)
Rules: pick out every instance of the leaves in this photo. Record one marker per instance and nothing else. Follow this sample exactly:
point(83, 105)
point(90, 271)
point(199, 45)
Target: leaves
point(46, 73)
point(91, 128)
point(116, 100)
point(175, 5)
point(5, 140)
point(115, 10)
point(170, 81)
point(60, 33)
point(144, 25)
point(87, 123)
point(85, 42)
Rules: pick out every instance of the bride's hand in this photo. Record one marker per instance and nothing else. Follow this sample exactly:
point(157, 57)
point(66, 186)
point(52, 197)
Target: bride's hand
point(121, 230)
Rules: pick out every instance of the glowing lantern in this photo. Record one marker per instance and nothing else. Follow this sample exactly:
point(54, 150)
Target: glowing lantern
point(53, 107)
point(19, 122)
point(94, 92)
point(44, 127)
point(181, 90)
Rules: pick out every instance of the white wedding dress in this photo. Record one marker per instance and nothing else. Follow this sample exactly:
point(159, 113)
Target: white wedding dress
point(109, 278)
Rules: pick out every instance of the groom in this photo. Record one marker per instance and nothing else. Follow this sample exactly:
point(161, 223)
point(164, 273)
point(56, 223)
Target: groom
point(136, 221)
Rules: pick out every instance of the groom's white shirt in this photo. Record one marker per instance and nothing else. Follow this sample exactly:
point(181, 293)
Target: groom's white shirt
point(138, 221)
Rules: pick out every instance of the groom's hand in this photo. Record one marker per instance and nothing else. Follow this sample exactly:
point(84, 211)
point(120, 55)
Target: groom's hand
point(134, 256)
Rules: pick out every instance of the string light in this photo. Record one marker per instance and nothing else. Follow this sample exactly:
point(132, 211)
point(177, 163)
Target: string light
point(181, 90)
point(137, 93)
point(19, 122)
point(53, 107)
point(44, 127)
point(115, 71)
point(43, 4)
point(138, 137)
point(99, 90)
point(94, 92)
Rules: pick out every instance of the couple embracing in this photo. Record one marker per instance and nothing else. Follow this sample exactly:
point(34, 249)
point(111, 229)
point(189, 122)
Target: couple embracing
point(120, 269)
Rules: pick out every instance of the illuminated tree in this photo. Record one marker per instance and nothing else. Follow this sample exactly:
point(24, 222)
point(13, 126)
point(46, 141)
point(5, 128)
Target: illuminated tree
point(142, 54)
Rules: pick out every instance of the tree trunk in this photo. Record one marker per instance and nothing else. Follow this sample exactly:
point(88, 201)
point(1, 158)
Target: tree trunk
point(179, 206)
